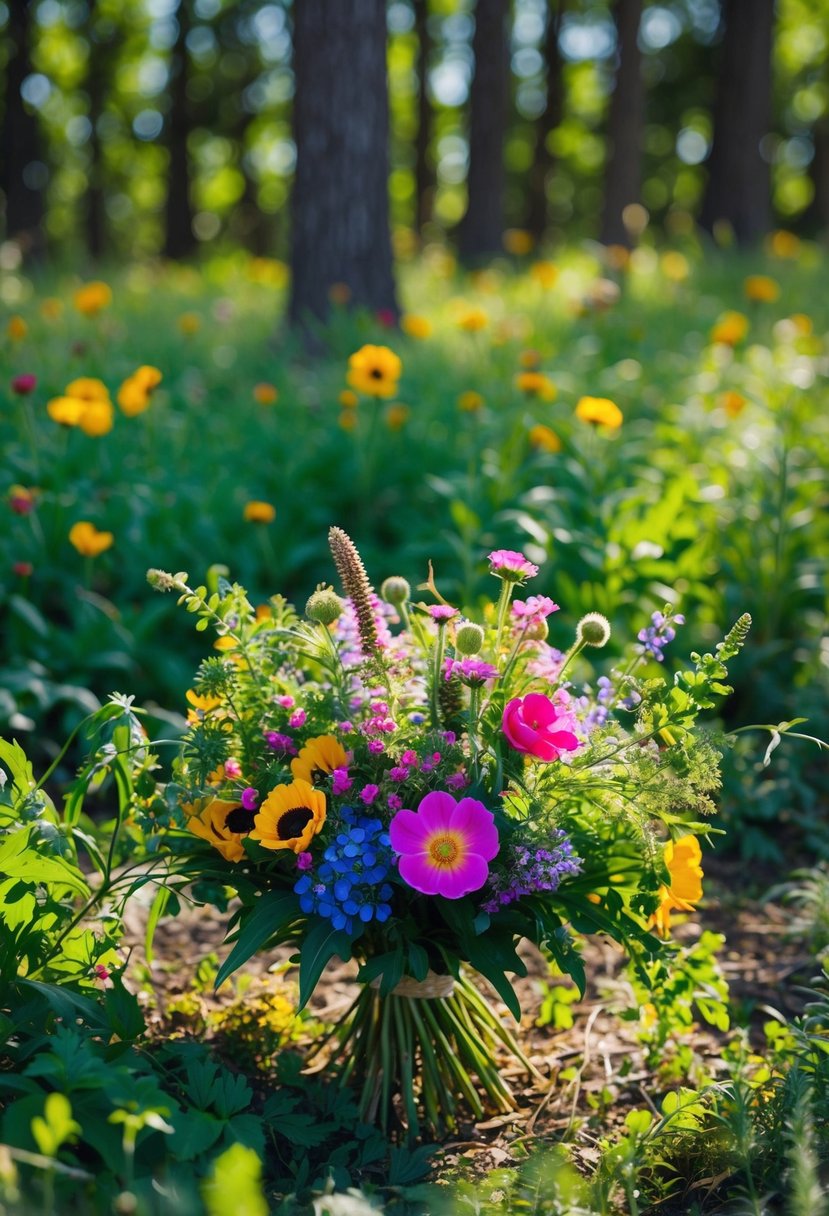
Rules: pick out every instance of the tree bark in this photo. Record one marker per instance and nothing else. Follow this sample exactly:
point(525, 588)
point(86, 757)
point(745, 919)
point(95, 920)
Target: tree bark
point(547, 121)
point(482, 227)
point(340, 203)
point(424, 170)
point(103, 42)
point(626, 125)
point(179, 238)
point(816, 218)
point(739, 179)
point(20, 139)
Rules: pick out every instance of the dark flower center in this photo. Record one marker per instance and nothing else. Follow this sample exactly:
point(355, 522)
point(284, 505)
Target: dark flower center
point(376, 373)
point(318, 775)
point(292, 822)
point(240, 820)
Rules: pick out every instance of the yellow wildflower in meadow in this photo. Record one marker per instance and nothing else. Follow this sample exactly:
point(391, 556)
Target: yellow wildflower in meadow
point(264, 393)
point(675, 266)
point(783, 244)
point(397, 416)
point(375, 371)
point(472, 320)
point(599, 411)
point(470, 402)
point(51, 308)
point(87, 388)
point(543, 439)
point(415, 326)
point(545, 274)
point(682, 858)
point(92, 298)
point(761, 289)
point(347, 420)
point(730, 329)
point(518, 242)
point(258, 512)
point(536, 384)
point(66, 411)
point(17, 329)
point(135, 393)
point(732, 402)
point(348, 399)
point(87, 539)
point(97, 418)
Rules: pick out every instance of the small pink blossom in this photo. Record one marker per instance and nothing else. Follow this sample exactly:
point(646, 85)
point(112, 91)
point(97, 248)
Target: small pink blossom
point(297, 719)
point(345, 727)
point(394, 802)
point(409, 757)
point(285, 702)
point(511, 566)
point(376, 747)
point(441, 612)
point(342, 783)
point(24, 384)
point(368, 793)
point(304, 861)
point(538, 727)
point(280, 743)
point(539, 606)
point(233, 769)
point(398, 773)
point(249, 798)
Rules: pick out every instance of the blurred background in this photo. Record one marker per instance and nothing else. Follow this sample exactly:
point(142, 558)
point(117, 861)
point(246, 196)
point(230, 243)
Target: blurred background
point(147, 127)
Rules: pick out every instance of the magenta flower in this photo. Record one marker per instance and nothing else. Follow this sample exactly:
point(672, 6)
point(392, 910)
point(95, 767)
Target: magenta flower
point(511, 566)
point(445, 846)
point(534, 606)
point(536, 726)
point(441, 612)
point(473, 672)
point(304, 861)
point(249, 798)
point(24, 384)
point(297, 719)
point(368, 793)
point(342, 782)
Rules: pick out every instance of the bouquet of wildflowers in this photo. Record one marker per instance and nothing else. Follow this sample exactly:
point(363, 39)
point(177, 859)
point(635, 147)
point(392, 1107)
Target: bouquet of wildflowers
point(395, 782)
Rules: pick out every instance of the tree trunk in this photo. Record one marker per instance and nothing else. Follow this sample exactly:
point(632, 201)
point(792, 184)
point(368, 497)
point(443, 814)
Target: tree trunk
point(739, 179)
point(21, 176)
point(179, 238)
point(547, 121)
point(424, 170)
point(626, 125)
point(103, 43)
point(340, 204)
point(817, 215)
point(482, 227)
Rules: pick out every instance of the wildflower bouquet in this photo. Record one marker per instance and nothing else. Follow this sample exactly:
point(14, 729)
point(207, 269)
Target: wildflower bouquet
point(393, 782)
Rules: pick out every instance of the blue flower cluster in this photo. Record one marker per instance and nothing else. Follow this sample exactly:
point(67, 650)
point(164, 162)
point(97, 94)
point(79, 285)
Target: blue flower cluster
point(656, 636)
point(350, 883)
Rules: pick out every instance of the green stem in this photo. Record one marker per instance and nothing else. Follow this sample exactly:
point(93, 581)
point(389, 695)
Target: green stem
point(503, 605)
point(437, 671)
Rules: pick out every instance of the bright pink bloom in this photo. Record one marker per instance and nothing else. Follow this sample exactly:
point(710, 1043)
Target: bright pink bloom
point(445, 846)
point(24, 384)
point(342, 782)
point(297, 719)
point(233, 769)
point(304, 861)
point(535, 725)
point(534, 606)
point(511, 566)
point(249, 798)
point(441, 612)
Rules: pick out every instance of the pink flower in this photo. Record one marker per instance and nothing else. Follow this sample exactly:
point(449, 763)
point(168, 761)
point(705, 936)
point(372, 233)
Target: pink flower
point(342, 783)
point(445, 846)
point(457, 781)
point(376, 746)
point(534, 725)
point(233, 769)
point(394, 802)
point(368, 793)
point(511, 566)
point(297, 719)
point(534, 606)
point(24, 384)
point(304, 861)
point(249, 798)
point(285, 702)
point(441, 612)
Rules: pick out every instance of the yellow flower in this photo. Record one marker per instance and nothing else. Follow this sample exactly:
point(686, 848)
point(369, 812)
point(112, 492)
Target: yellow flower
point(259, 512)
point(600, 411)
point(203, 703)
point(97, 418)
point(225, 642)
point(66, 410)
point(51, 308)
point(733, 403)
point(414, 326)
point(473, 319)
point(87, 388)
point(545, 274)
point(529, 360)
point(264, 393)
point(675, 266)
point(544, 439)
point(17, 329)
point(88, 540)
point(730, 329)
point(397, 416)
point(148, 377)
point(782, 244)
point(189, 323)
point(760, 288)
point(802, 323)
point(290, 817)
point(518, 242)
point(224, 825)
point(347, 420)
point(92, 298)
point(374, 370)
point(470, 402)
point(348, 399)
point(269, 271)
point(318, 758)
point(536, 384)
point(648, 1015)
point(133, 398)
point(682, 858)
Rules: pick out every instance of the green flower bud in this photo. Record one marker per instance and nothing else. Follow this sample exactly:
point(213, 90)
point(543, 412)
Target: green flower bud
point(469, 638)
point(593, 630)
point(395, 590)
point(324, 606)
point(537, 631)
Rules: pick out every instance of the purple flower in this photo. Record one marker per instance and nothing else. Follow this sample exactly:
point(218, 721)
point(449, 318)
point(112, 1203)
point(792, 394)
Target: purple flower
point(283, 744)
point(511, 566)
point(656, 636)
point(304, 861)
point(368, 793)
point(297, 719)
point(441, 612)
point(376, 746)
point(345, 727)
point(409, 757)
point(450, 737)
point(342, 783)
point(531, 872)
point(457, 781)
point(473, 672)
point(398, 773)
point(539, 606)
point(249, 798)
point(394, 802)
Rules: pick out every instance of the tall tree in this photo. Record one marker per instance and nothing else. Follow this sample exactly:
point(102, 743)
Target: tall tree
point(179, 238)
point(424, 170)
point(340, 203)
point(482, 227)
point(20, 179)
point(547, 121)
point(739, 177)
point(103, 44)
point(626, 126)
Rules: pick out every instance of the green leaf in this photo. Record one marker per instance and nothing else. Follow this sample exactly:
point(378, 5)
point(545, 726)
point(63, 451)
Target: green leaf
point(271, 916)
point(235, 1184)
point(492, 954)
point(321, 944)
point(157, 909)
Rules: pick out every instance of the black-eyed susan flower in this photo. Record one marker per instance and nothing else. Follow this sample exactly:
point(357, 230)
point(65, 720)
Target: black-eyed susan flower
point(599, 411)
point(375, 371)
point(258, 512)
point(88, 540)
point(290, 817)
point(223, 824)
point(318, 759)
point(92, 298)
